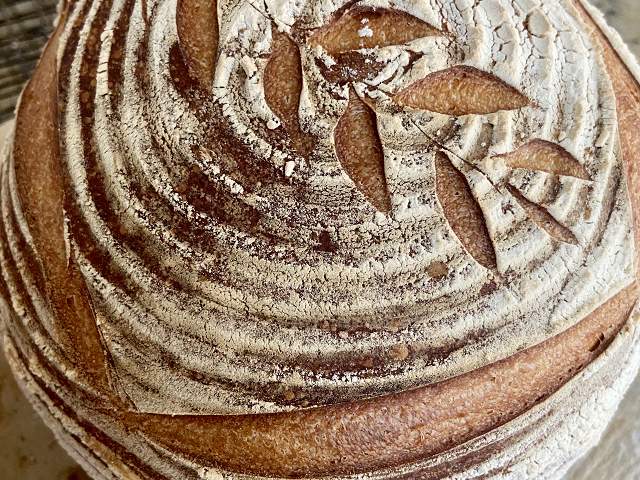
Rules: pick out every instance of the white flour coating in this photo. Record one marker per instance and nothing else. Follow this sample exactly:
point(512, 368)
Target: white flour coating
point(255, 317)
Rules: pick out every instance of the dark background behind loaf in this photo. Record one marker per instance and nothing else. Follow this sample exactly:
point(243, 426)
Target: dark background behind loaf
point(24, 27)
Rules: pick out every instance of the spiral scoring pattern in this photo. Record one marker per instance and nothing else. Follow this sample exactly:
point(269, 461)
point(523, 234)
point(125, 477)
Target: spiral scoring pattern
point(264, 291)
point(186, 213)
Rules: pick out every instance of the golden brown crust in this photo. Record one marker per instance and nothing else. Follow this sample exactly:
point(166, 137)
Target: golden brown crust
point(342, 439)
point(463, 213)
point(197, 23)
point(363, 159)
point(387, 27)
point(39, 181)
point(282, 87)
point(461, 90)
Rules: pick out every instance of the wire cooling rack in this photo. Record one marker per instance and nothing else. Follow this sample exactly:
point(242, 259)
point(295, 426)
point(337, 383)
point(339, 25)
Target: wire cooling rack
point(24, 28)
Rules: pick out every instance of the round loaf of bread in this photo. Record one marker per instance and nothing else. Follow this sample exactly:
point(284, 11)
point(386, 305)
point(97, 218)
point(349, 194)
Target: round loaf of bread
point(309, 239)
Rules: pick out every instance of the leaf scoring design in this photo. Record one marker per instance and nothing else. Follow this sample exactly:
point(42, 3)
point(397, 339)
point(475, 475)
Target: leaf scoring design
point(545, 156)
point(359, 150)
point(197, 23)
point(463, 212)
point(283, 86)
point(543, 218)
point(366, 27)
point(461, 90)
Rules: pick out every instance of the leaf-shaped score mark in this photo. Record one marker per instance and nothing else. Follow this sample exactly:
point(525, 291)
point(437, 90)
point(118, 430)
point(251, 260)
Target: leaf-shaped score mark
point(197, 23)
point(366, 27)
point(463, 212)
point(546, 157)
point(359, 150)
point(543, 219)
point(283, 86)
point(461, 90)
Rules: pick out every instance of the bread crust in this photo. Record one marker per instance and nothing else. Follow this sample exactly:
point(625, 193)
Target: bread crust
point(378, 434)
